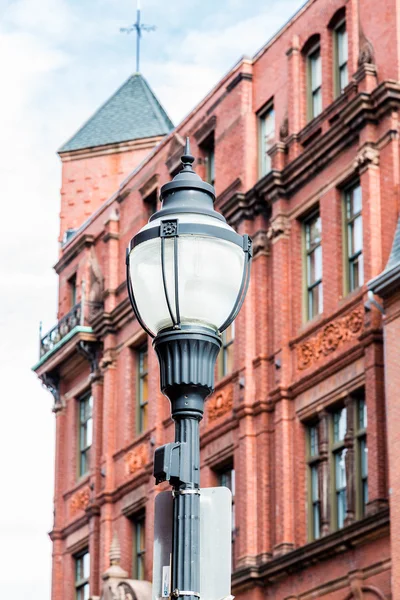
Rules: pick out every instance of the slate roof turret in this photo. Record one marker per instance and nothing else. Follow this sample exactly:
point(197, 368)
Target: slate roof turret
point(132, 113)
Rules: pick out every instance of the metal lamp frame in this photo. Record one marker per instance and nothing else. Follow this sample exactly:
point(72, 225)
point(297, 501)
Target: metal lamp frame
point(173, 228)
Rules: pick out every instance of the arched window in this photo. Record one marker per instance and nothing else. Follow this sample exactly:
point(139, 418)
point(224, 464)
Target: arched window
point(312, 56)
point(337, 25)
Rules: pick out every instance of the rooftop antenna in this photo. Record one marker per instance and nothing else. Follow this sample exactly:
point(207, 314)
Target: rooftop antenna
point(138, 27)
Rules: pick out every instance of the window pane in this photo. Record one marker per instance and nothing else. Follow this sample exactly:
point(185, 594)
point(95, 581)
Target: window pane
point(316, 521)
point(314, 484)
point(364, 458)
point(342, 46)
point(316, 71)
point(89, 432)
point(362, 414)
point(343, 77)
point(313, 432)
point(313, 232)
point(357, 200)
point(315, 301)
point(86, 565)
point(317, 102)
point(267, 133)
point(341, 509)
point(357, 236)
point(340, 469)
point(339, 425)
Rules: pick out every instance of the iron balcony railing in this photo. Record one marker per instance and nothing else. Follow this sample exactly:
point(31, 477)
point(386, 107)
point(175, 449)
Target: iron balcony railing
point(71, 320)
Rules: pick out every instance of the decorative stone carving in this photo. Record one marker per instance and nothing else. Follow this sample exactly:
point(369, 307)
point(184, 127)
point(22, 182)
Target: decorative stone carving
point(220, 403)
point(366, 54)
point(367, 155)
point(330, 338)
point(284, 128)
point(136, 459)
point(260, 243)
point(279, 226)
point(79, 501)
point(90, 351)
point(51, 381)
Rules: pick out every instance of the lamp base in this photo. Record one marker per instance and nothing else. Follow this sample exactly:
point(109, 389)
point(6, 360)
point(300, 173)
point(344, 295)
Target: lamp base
point(187, 360)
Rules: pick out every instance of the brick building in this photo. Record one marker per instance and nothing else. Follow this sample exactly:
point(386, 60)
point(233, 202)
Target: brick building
point(302, 144)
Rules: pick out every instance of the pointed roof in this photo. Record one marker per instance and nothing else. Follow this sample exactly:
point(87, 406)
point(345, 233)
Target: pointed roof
point(132, 113)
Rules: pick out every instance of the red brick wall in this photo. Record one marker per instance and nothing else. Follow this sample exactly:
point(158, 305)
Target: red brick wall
point(271, 395)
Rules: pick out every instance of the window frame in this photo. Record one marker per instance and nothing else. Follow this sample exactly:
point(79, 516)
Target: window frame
point(354, 438)
point(142, 406)
point(221, 472)
point(313, 462)
point(348, 222)
point(207, 147)
point(312, 92)
point(315, 214)
point(337, 66)
point(223, 357)
point(335, 449)
point(73, 290)
point(80, 584)
point(264, 160)
point(138, 552)
point(360, 438)
point(84, 451)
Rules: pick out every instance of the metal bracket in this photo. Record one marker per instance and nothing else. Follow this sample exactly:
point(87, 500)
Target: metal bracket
point(177, 593)
point(183, 492)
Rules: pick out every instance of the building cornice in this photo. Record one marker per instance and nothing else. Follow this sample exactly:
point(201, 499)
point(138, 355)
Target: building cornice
point(128, 146)
point(346, 117)
point(268, 570)
point(75, 247)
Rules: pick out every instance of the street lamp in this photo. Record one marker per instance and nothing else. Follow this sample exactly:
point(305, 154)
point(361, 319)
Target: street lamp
point(187, 275)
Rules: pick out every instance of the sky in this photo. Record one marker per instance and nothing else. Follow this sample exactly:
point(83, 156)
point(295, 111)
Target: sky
point(59, 61)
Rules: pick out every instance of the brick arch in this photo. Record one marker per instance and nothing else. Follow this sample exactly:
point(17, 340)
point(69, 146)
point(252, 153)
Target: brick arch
point(366, 589)
point(338, 16)
point(312, 41)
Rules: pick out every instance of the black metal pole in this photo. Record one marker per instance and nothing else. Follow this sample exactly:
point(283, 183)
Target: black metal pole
point(187, 359)
point(186, 532)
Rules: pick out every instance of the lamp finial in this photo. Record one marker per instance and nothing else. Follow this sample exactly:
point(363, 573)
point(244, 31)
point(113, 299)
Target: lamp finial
point(187, 159)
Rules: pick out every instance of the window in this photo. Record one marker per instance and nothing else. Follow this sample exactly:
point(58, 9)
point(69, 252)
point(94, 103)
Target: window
point(85, 432)
point(340, 58)
point(354, 237)
point(142, 388)
point(225, 357)
point(313, 467)
point(313, 266)
point(138, 547)
point(314, 68)
point(82, 572)
point(208, 150)
point(362, 455)
point(267, 139)
point(339, 451)
point(343, 432)
point(72, 291)
point(226, 477)
point(150, 203)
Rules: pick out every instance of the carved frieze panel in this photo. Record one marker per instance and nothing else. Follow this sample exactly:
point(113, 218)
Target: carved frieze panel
point(79, 501)
point(220, 403)
point(329, 339)
point(135, 459)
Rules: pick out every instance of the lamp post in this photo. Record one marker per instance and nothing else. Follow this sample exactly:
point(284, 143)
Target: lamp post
point(187, 276)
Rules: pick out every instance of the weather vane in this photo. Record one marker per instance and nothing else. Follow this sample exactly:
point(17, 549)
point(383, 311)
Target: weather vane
point(138, 27)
